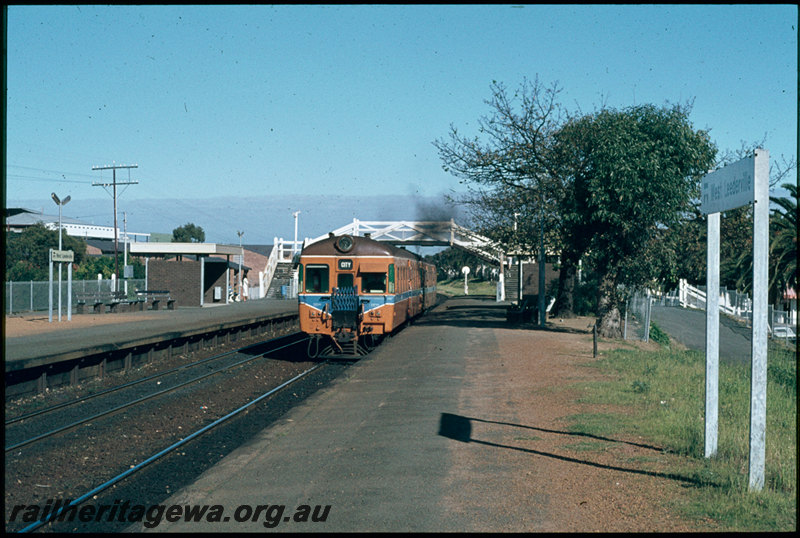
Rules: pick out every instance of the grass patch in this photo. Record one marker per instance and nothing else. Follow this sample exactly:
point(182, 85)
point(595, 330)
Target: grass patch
point(658, 336)
point(455, 287)
point(663, 396)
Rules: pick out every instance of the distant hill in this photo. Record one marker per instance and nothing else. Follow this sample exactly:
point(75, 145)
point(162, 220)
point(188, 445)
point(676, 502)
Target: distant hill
point(262, 218)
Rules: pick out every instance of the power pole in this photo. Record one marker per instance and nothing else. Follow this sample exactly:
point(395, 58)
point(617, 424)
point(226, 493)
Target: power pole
point(114, 184)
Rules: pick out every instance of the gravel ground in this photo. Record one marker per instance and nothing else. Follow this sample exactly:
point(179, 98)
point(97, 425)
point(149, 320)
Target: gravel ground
point(74, 462)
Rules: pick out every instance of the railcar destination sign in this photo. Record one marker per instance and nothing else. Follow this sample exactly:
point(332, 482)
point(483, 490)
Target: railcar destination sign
point(729, 187)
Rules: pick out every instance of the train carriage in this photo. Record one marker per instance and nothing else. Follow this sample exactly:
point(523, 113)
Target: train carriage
point(354, 290)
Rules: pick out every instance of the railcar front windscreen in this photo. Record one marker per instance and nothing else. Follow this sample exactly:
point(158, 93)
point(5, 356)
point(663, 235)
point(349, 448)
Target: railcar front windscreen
point(316, 279)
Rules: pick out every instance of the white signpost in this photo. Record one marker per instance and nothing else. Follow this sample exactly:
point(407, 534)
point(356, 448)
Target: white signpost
point(741, 183)
point(61, 256)
point(465, 270)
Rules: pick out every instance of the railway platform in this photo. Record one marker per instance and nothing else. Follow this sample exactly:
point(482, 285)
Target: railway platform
point(88, 334)
point(460, 422)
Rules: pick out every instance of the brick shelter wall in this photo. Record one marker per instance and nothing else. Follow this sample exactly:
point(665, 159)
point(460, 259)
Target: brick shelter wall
point(215, 276)
point(180, 277)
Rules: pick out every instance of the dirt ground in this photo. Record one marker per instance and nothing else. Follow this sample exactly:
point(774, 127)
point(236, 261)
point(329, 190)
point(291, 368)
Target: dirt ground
point(38, 323)
point(594, 484)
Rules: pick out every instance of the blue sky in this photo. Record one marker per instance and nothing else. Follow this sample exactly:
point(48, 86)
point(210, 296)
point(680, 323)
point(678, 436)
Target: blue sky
point(260, 100)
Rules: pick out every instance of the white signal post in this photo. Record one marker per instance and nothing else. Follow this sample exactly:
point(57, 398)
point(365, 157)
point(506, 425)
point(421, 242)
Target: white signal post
point(743, 182)
point(465, 270)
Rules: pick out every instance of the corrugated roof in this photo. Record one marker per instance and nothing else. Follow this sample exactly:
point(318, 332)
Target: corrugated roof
point(28, 217)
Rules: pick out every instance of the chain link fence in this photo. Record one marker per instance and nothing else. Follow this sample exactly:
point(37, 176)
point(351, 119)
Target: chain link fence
point(636, 324)
point(33, 296)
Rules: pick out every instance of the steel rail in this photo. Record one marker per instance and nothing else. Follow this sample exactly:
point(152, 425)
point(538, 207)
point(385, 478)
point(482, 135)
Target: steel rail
point(139, 400)
point(137, 381)
point(173, 446)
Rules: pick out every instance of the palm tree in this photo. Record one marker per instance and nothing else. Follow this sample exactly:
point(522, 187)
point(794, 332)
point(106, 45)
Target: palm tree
point(783, 246)
point(782, 249)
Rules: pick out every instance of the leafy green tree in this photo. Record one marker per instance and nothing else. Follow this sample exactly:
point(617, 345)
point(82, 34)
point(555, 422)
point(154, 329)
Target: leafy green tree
point(104, 265)
point(688, 241)
point(634, 173)
point(28, 252)
point(188, 233)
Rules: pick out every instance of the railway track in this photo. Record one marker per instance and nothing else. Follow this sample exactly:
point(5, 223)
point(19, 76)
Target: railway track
point(37, 425)
point(113, 440)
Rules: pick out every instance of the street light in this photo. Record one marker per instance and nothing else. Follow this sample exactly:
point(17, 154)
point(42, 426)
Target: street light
point(60, 203)
point(241, 257)
point(294, 245)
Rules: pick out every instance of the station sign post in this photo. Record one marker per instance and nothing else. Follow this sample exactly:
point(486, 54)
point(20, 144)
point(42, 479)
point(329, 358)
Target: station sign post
point(738, 184)
point(61, 256)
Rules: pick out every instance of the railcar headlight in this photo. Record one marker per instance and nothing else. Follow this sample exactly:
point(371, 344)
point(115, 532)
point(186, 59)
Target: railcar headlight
point(344, 243)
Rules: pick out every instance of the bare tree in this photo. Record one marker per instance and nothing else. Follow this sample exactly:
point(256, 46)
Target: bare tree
point(513, 190)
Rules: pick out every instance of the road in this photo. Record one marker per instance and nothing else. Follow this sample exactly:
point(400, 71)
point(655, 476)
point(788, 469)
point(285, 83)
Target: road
point(689, 328)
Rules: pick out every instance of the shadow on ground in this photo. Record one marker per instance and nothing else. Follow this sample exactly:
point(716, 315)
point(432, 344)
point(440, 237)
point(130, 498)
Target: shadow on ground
point(459, 429)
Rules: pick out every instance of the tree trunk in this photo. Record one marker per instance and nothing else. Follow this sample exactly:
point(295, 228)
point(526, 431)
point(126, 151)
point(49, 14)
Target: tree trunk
point(609, 320)
point(565, 304)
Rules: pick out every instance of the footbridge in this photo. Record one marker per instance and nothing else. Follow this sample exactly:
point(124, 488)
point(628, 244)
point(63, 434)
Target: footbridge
point(444, 233)
point(424, 233)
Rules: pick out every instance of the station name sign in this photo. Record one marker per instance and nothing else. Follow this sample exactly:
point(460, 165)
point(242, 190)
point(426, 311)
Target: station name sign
point(729, 187)
point(67, 256)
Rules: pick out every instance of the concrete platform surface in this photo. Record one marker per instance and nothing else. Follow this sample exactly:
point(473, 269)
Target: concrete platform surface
point(61, 340)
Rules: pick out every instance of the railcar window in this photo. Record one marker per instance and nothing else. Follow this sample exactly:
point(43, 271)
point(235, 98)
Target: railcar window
point(316, 279)
point(373, 282)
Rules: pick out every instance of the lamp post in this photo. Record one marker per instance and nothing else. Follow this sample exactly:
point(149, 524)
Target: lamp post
point(60, 203)
point(519, 262)
point(241, 256)
point(294, 245)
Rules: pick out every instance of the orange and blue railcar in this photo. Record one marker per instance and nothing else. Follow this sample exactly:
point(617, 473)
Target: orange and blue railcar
point(354, 290)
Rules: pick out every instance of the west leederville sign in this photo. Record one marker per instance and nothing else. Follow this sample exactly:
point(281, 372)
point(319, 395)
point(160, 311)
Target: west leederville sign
point(729, 187)
point(67, 256)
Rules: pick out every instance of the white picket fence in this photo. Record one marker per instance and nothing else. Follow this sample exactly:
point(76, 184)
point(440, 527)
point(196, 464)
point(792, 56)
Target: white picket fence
point(731, 302)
